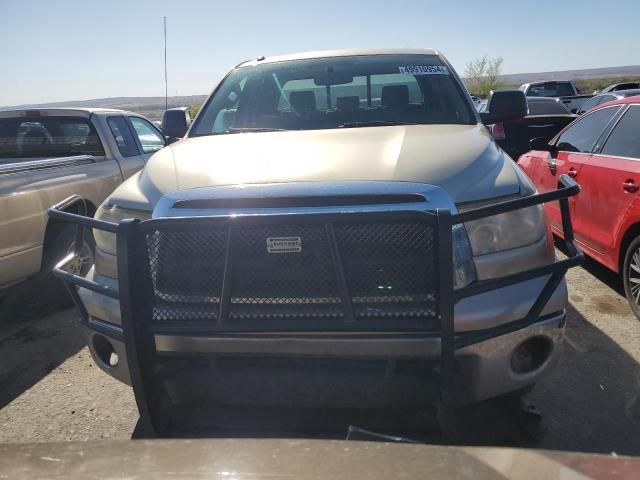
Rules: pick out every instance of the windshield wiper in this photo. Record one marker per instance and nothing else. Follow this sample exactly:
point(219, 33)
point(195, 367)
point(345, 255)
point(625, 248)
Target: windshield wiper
point(375, 123)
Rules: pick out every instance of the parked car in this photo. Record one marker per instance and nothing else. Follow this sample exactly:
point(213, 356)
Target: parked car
point(545, 118)
point(47, 155)
point(619, 86)
point(565, 91)
point(300, 251)
point(606, 97)
point(600, 150)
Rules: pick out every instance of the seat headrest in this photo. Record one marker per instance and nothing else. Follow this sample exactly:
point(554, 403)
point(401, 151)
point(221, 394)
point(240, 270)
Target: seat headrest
point(348, 103)
point(303, 101)
point(395, 96)
point(36, 136)
point(34, 140)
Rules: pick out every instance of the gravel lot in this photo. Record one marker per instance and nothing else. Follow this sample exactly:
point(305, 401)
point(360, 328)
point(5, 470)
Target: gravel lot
point(50, 390)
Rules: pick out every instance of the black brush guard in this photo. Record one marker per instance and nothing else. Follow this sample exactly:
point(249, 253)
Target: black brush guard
point(137, 293)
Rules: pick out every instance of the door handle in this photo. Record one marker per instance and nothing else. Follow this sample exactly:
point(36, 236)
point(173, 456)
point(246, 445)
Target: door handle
point(572, 172)
point(551, 163)
point(630, 186)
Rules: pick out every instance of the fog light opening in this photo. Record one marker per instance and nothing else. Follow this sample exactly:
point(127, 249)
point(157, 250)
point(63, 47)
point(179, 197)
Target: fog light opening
point(104, 351)
point(530, 355)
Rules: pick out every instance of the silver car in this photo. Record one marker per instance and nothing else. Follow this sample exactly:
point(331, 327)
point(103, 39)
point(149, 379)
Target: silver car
point(335, 230)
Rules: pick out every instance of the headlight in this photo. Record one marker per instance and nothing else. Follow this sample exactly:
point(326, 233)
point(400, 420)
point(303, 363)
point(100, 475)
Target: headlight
point(507, 230)
point(464, 270)
point(106, 241)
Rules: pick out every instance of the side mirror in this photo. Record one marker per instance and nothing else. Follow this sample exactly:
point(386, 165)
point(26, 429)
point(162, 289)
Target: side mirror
point(504, 105)
point(175, 122)
point(542, 143)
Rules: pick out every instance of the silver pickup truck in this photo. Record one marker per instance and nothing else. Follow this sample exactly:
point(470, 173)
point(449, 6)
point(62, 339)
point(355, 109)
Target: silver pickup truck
point(564, 91)
point(337, 230)
point(47, 155)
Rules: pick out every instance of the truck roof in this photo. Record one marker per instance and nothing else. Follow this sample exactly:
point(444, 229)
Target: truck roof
point(537, 82)
point(61, 112)
point(341, 53)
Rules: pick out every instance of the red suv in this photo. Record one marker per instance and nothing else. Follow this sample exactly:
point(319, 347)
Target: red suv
point(601, 150)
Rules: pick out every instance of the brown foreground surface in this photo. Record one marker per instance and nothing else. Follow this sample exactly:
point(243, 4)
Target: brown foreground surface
point(50, 390)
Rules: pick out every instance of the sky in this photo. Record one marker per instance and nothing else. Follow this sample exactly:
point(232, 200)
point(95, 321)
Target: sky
point(57, 50)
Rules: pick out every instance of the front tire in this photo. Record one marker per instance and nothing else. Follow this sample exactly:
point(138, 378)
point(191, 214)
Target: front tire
point(631, 275)
point(62, 242)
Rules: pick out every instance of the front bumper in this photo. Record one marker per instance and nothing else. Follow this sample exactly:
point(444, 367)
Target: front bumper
point(483, 369)
point(471, 364)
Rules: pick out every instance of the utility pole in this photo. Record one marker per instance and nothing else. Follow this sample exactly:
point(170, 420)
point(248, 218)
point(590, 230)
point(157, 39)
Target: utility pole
point(166, 91)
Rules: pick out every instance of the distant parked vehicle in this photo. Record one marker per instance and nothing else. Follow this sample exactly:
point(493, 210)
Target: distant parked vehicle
point(600, 150)
point(565, 91)
point(606, 97)
point(47, 155)
point(616, 87)
point(546, 117)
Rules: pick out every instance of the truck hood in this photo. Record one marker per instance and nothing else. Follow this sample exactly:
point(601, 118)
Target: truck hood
point(461, 159)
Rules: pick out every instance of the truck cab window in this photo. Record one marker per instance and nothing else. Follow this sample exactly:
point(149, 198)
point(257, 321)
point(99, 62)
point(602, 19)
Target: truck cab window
point(150, 138)
point(551, 89)
point(48, 137)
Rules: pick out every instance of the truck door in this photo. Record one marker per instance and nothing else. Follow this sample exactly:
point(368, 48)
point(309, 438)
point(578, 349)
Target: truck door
point(131, 157)
point(575, 145)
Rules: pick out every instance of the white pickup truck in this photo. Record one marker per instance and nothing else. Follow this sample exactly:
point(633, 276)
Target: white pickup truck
point(336, 231)
point(565, 91)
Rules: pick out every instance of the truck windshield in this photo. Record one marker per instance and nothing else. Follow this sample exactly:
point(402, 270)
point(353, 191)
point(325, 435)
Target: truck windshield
point(336, 92)
point(47, 136)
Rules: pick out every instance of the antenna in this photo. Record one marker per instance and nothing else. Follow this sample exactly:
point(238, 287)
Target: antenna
point(166, 100)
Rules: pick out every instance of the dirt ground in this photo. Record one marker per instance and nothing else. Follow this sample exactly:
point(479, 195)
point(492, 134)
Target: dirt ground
point(50, 390)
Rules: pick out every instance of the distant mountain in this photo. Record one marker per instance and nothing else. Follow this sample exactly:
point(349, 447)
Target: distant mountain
point(153, 107)
point(520, 78)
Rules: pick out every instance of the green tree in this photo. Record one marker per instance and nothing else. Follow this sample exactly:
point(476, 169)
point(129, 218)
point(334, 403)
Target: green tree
point(193, 110)
point(481, 75)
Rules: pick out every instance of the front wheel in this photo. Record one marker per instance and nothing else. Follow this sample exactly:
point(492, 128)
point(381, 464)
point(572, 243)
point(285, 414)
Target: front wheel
point(62, 243)
point(631, 275)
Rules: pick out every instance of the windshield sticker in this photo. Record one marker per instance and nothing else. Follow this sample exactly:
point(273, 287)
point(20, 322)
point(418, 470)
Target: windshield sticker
point(424, 70)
